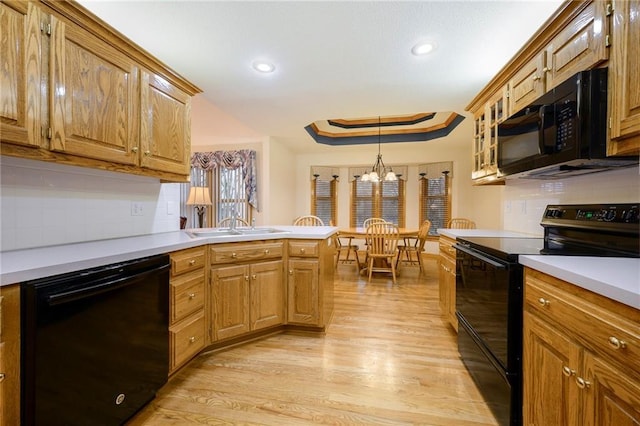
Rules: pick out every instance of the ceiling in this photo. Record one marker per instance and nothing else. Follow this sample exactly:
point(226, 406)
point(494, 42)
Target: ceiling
point(334, 60)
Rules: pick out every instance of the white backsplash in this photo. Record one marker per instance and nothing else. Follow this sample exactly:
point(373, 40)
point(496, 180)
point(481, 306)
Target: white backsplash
point(525, 200)
point(43, 204)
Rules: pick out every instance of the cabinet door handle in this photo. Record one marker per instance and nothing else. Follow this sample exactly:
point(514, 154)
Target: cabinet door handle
point(616, 343)
point(134, 149)
point(234, 255)
point(582, 383)
point(192, 262)
point(254, 276)
point(192, 295)
point(266, 251)
point(192, 339)
point(246, 277)
point(290, 271)
point(543, 301)
point(2, 377)
point(147, 153)
point(535, 77)
point(302, 250)
point(567, 371)
point(546, 69)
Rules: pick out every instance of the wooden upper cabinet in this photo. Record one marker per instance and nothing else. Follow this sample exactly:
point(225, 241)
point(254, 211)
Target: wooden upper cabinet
point(581, 45)
point(94, 97)
point(71, 89)
point(624, 79)
point(165, 126)
point(528, 84)
point(21, 65)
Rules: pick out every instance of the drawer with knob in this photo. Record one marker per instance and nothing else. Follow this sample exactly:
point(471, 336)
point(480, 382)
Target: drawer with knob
point(234, 253)
point(187, 295)
point(187, 260)
point(304, 248)
point(187, 338)
point(600, 324)
point(445, 246)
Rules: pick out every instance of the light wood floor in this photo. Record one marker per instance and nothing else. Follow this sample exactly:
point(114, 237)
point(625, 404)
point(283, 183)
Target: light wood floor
point(387, 359)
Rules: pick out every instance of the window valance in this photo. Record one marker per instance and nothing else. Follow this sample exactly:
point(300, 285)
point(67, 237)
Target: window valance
point(245, 158)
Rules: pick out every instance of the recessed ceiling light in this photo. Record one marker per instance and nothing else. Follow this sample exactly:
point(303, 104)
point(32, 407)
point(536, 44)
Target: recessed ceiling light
point(423, 48)
point(263, 66)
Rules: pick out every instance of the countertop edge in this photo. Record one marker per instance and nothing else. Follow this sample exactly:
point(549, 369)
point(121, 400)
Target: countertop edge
point(454, 233)
point(24, 265)
point(615, 280)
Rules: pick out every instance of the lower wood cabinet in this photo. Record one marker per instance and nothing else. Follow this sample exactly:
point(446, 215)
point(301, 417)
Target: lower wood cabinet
point(310, 282)
point(187, 329)
point(581, 357)
point(447, 280)
point(10, 355)
point(247, 288)
point(247, 298)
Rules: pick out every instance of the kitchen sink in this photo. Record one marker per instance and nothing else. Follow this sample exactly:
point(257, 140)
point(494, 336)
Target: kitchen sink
point(221, 232)
point(257, 231)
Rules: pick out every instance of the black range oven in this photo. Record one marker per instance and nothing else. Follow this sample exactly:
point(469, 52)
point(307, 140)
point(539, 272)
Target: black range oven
point(489, 291)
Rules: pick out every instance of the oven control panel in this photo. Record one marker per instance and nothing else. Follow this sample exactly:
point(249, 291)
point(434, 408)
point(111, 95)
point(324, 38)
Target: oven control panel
point(593, 213)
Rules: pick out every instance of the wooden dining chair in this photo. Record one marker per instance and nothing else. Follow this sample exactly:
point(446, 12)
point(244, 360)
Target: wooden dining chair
point(308, 220)
point(415, 246)
point(348, 247)
point(227, 222)
point(372, 220)
point(344, 246)
point(382, 248)
point(461, 223)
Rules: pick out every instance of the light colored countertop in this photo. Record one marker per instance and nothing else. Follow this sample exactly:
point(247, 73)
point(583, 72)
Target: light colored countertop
point(614, 277)
point(23, 265)
point(454, 233)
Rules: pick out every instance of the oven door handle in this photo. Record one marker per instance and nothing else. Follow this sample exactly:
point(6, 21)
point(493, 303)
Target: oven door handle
point(477, 255)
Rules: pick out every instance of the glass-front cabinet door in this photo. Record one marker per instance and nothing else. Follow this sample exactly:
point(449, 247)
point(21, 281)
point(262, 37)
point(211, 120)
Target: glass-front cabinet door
point(496, 112)
point(485, 137)
point(478, 145)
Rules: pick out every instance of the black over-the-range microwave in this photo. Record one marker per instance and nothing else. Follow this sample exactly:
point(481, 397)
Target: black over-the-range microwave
point(562, 133)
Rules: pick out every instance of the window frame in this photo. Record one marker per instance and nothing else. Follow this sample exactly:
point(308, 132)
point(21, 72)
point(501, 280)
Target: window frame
point(424, 198)
point(332, 199)
point(376, 199)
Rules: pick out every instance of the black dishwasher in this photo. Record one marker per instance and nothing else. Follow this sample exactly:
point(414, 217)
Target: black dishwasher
point(95, 343)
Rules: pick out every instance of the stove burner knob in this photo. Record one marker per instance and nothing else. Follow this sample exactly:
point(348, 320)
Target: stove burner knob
point(609, 215)
point(630, 216)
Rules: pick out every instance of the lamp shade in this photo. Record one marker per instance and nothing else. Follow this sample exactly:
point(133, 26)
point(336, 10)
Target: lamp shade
point(199, 196)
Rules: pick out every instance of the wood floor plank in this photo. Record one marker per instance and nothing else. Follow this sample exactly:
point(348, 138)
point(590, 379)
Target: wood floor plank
point(388, 358)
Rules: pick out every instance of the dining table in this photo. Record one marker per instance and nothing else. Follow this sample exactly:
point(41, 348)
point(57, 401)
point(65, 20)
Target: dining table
point(360, 233)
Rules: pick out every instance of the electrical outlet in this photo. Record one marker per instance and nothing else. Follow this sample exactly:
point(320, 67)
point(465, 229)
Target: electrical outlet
point(136, 208)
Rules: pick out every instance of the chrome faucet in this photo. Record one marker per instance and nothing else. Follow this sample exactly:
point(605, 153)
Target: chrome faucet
point(234, 218)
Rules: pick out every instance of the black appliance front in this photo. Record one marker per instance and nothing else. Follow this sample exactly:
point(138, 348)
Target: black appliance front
point(489, 303)
point(561, 127)
point(502, 394)
point(95, 343)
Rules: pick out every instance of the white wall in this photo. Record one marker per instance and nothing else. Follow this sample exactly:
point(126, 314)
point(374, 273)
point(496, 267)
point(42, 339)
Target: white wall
point(481, 204)
point(43, 204)
point(525, 200)
point(280, 185)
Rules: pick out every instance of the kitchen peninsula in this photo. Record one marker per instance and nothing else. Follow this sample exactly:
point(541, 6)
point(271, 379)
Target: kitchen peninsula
point(224, 288)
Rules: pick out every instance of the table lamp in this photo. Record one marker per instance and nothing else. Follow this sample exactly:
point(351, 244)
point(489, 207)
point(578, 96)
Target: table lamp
point(200, 198)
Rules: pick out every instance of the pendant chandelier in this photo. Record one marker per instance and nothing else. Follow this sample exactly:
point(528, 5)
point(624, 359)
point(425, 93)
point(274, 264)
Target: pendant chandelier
point(379, 170)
